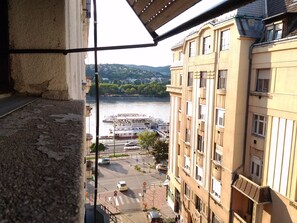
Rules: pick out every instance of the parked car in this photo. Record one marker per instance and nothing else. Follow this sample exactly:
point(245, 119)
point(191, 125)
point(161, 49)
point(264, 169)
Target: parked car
point(103, 161)
point(131, 143)
point(161, 167)
point(154, 216)
point(131, 148)
point(122, 186)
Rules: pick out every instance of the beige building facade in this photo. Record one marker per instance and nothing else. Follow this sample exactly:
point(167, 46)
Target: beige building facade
point(233, 119)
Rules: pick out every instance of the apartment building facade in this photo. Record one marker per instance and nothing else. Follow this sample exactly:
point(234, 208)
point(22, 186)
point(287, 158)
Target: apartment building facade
point(266, 190)
point(233, 118)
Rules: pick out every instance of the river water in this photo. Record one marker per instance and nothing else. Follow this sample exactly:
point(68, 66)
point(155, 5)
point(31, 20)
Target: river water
point(150, 106)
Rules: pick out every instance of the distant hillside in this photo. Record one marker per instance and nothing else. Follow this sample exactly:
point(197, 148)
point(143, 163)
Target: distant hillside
point(116, 72)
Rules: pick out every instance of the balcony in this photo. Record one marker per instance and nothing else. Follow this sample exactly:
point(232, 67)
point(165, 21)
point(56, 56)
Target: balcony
point(219, 136)
point(199, 159)
point(257, 143)
point(188, 151)
point(186, 202)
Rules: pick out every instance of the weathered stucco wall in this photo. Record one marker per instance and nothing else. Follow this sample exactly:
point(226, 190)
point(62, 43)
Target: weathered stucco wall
point(42, 163)
point(53, 24)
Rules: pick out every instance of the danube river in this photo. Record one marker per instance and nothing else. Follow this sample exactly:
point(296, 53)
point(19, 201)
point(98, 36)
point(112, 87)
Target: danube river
point(150, 106)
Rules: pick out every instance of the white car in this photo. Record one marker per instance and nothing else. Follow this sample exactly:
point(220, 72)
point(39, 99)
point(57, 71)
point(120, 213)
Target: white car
point(131, 143)
point(131, 148)
point(103, 161)
point(122, 186)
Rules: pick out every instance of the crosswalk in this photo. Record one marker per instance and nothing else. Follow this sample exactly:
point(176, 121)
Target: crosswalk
point(121, 200)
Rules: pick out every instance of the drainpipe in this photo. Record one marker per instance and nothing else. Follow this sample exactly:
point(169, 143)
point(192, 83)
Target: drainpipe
point(97, 112)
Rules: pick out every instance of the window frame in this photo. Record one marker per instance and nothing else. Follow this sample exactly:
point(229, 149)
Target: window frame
point(200, 143)
point(192, 49)
point(215, 184)
point(202, 112)
point(199, 174)
point(222, 81)
point(256, 122)
point(190, 79)
point(256, 170)
point(220, 114)
point(225, 40)
point(203, 79)
point(263, 80)
point(206, 49)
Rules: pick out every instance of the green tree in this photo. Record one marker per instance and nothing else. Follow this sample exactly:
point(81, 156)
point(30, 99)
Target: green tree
point(101, 147)
point(146, 139)
point(160, 150)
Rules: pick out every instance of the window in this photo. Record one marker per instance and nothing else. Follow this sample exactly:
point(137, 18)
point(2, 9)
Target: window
point(274, 32)
point(215, 219)
point(259, 125)
point(202, 112)
point(225, 40)
point(206, 45)
point(198, 203)
point(203, 75)
point(192, 49)
point(263, 78)
point(180, 56)
point(217, 157)
point(180, 80)
point(187, 163)
point(216, 188)
point(222, 78)
point(220, 119)
point(188, 135)
point(200, 144)
point(199, 174)
point(189, 108)
point(255, 169)
point(190, 79)
point(187, 190)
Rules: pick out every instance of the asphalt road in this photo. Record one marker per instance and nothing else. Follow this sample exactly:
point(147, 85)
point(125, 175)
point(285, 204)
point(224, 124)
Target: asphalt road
point(124, 169)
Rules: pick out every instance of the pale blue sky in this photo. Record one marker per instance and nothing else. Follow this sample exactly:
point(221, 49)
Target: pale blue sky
point(118, 25)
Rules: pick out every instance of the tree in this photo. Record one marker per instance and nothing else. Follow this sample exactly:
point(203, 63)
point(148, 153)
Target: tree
point(160, 150)
point(146, 139)
point(101, 147)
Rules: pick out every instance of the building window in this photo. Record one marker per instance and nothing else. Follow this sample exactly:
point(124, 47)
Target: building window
point(255, 169)
point(202, 112)
point(187, 190)
point(203, 75)
point(225, 40)
point(199, 174)
point(188, 135)
point(274, 32)
point(198, 204)
point(259, 125)
point(222, 79)
point(216, 188)
point(192, 49)
point(180, 80)
point(263, 78)
point(189, 108)
point(190, 79)
point(200, 145)
point(215, 219)
point(180, 56)
point(220, 119)
point(206, 45)
point(187, 163)
point(217, 157)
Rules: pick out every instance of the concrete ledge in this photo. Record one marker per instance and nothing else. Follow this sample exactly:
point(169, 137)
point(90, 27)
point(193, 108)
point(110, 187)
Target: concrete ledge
point(41, 163)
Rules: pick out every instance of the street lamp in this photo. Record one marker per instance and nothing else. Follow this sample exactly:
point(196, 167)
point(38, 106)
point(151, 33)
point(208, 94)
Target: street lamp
point(114, 138)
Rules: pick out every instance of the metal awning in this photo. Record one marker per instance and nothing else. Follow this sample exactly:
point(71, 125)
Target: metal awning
point(154, 14)
point(258, 194)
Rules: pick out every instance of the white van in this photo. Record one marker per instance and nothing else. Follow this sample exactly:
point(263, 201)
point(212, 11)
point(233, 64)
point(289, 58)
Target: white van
point(131, 148)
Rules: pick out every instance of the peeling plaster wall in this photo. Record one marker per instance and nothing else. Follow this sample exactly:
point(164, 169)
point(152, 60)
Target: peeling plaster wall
point(52, 24)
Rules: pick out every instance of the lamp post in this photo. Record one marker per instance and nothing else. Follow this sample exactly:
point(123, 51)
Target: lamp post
point(114, 138)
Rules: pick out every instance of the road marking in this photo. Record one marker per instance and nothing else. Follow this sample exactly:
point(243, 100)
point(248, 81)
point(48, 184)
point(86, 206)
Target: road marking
point(137, 199)
point(116, 201)
point(121, 199)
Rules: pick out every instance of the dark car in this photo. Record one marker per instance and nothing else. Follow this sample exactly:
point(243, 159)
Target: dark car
point(154, 216)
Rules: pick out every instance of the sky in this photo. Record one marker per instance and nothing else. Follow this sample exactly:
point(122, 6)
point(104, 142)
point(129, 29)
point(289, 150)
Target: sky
point(118, 25)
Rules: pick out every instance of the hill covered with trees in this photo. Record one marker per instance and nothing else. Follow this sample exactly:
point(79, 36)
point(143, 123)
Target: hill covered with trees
point(130, 80)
